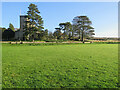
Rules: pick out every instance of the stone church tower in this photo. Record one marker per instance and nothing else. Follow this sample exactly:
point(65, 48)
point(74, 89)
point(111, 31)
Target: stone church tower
point(20, 32)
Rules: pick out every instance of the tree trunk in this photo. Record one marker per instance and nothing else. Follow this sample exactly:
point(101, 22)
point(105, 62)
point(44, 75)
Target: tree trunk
point(69, 36)
point(82, 36)
point(33, 37)
point(72, 35)
point(64, 34)
point(32, 31)
point(83, 33)
point(79, 34)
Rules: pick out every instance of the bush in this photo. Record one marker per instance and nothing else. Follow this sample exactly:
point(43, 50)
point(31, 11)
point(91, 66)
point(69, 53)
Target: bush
point(50, 40)
point(76, 39)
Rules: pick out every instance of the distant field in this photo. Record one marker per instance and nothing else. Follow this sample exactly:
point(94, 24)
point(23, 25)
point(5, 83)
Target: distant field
point(60, 66)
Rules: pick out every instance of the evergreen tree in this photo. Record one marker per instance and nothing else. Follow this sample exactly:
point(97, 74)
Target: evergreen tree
point(50, 35)
point(84, 26)
point(57, 34)
point(3, 29)
point(68, 29)
point(46, 34)
point(11, 27)
point(8, 34)
point(63, 28)
point(35, 20)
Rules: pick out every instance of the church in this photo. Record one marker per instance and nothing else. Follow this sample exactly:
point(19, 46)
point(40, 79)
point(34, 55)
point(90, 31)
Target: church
point(23, 22)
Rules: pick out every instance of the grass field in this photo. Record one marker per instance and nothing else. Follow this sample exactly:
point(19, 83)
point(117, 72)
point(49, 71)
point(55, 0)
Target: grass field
point(60, 66)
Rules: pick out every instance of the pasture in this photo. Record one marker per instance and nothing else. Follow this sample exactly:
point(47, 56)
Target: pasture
point(60, 66)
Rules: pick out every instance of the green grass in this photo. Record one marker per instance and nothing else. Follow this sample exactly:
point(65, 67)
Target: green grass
point(58, 66)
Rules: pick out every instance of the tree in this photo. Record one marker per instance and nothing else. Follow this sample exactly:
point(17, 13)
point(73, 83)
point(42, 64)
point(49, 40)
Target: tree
point(46, 34)
point(50, 35)
point(89, 33)
point(74, 30)
point(11, 27)
point(3, 29)
point(57, 34)
point(8, 34)
point(77, 26)
point(26, 30)
point(35, 20)
point(84, 25)
point(68, 29)
point(63, 28)
point(41, 35)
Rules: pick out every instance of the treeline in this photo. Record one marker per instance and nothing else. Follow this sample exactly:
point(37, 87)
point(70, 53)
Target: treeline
point(80, 28)
point(8, 33)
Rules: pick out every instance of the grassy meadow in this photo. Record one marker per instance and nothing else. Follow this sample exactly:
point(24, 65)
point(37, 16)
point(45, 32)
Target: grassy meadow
point(60, 66)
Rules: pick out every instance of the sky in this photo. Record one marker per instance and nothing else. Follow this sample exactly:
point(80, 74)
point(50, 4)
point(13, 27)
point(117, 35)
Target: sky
point(104, 15)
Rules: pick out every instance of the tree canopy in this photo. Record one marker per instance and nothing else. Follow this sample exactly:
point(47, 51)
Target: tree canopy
point(84, 27)
point(8, 34)
point(35, 20)
point(11, 27)
point(80, 28)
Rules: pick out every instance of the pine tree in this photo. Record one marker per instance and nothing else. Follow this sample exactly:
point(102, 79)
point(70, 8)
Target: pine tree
point(11, 27)
point(35, 20)
point(84, 26)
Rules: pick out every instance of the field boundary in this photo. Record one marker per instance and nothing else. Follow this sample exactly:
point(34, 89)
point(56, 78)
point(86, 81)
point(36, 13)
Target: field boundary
point(17, 42)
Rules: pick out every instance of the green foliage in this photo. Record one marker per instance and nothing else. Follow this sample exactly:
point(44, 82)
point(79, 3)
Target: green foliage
point(84, 28)
point(33, 28)
point(80, 28)
point(46, 34)
point(57, 34)
point(60, 66)
point(43, 35)
point(66, 27)
point(50, 36)
point(35, 20)
point(3, 29)
point(8, 34)
point(11, 27)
